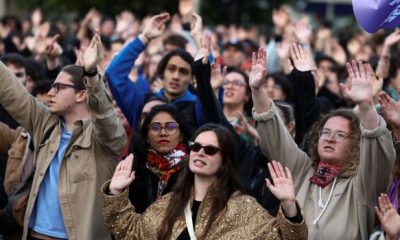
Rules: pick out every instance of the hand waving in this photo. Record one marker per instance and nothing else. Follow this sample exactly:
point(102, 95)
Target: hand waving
point(301, 59)
point(388, 217)
point(123, 176)
point(156, 25)
point(204, 50)
point(282, 187)
point(94, 53)
point(390, 109)
point(258, 68)
point(361, 84)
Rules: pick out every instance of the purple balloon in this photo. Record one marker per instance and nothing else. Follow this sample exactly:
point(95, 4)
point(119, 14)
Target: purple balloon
point(375, 14)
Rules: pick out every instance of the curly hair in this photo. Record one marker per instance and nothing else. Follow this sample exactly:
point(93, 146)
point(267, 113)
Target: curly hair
point(353, 158)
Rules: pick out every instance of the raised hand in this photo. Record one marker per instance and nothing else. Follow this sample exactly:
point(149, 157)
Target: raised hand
point(392, 38)
point(303, 32)
point(196, 28)
point(94, 53)
point(246, 127)
point(124, 21)
point(388, 217)
point(361, 84)
point(155, 26)
point(186, 7)
point(204, 50)
point(282, 187)
point(390, 109)
point(123, 176)
point(217, 75)
point(301, 59)
point(258, 69)
point(53, 49)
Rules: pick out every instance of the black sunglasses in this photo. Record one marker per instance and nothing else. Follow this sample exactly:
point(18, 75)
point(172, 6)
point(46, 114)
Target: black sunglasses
point(209, 150)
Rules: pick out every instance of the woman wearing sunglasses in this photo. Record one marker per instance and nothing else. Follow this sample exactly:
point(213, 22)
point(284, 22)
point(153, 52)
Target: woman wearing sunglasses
point(207, 201)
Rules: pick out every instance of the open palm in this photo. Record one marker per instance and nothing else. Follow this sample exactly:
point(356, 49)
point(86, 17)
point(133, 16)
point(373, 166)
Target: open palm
point(123, 175)
point(282, 186)
point(258, 68)
point(94, 53)
point(390, 109)
point(361, 84)
point(388, 216)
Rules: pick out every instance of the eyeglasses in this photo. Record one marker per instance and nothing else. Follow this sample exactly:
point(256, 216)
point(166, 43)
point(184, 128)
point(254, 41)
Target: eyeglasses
point(235, 83)
point(57, 86)
point(338, 136)
point(170, 128)
point(209, 150)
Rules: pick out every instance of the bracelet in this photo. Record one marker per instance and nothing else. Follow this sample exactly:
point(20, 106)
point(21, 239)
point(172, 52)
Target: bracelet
point(148, 38)
point(90, 73)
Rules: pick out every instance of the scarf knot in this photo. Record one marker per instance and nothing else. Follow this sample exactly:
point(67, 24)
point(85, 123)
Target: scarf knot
point(325, 173)
point(167, 164)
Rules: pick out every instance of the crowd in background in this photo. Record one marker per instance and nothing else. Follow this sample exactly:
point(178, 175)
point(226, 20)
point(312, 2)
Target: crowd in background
point(325, 106)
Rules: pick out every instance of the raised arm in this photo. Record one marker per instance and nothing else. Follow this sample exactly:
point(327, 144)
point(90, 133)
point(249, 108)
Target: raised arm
point(23, 107)
point(107, 129)
point(275, 140)
point(125, 92)
point(306, 106)
point(377, 153)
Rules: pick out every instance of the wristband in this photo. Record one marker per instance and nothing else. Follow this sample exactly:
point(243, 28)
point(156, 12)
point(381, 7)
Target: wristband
point(90, 73)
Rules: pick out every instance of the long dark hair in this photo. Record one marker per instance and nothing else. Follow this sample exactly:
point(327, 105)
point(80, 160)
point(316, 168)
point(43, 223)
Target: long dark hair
point(226, 183)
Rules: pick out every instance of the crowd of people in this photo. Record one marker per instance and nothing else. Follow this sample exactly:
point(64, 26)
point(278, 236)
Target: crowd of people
point(168, 128)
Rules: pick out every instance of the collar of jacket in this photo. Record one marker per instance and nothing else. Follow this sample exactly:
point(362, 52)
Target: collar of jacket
point(81, 135)
point(187, 97)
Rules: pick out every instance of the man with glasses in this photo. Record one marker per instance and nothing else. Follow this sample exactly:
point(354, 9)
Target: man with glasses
point(78, 139)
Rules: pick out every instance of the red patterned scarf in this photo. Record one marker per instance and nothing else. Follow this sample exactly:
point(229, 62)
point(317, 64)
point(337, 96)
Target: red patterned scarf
point(325, 173)
point(165, 165)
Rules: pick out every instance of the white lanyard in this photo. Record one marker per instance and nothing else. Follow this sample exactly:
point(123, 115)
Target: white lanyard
point(189, 221)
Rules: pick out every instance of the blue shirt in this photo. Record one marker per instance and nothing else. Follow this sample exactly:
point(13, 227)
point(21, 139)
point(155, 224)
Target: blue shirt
point(46, 216)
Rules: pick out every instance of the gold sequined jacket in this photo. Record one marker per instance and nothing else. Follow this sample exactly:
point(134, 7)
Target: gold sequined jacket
point(244, 218)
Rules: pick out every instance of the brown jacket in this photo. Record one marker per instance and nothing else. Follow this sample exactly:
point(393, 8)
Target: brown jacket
point(350, 212)
point(89, 160)
point(15, 143)
point(243, 218)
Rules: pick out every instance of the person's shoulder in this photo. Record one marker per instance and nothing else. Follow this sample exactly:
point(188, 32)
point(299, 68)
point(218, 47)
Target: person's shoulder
point(241, 198)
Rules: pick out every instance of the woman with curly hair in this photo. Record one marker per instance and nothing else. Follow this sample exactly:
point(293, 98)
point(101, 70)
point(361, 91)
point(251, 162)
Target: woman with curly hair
point(351, 156)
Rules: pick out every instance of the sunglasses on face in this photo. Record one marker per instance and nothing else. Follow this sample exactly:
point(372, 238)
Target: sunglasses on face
point(209, 150)
point(57, 86)
point(170, 128)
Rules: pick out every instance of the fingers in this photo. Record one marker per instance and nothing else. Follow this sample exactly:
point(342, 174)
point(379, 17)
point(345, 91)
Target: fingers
point(355, 69)
point(350, 71)
point(271, 170)
point(379, 214)
point(295, 51)
point(301, 51)
point(253, 60)
point(361, 68)
point(270, 186)
point(288, 174)
point(162, 18)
